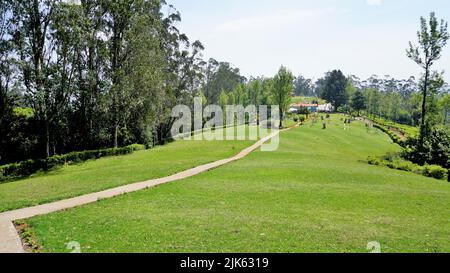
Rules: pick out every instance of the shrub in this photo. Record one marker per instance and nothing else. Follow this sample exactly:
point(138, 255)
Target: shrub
point(435, 149)
point(304, 111)
point(395, 138)
point(302, 118)
point(392, 161)
point(406, 166)
point(374, 161)
point(435, 171)
point(28, 167)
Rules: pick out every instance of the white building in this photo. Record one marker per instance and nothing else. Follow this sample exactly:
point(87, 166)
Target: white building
point(325, 108)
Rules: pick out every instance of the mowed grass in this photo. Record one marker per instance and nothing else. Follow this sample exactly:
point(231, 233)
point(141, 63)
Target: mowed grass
point(315, 194)
point(105, 173)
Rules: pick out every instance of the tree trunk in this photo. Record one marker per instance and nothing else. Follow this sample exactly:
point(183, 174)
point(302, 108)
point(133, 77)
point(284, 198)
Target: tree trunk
point(47, 139)
point(116, 135)
point(424, 107)
point(281, 118)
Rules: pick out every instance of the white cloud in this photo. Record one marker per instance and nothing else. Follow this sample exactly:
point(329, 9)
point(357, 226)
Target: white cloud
point(374, 2)
point(274, 20)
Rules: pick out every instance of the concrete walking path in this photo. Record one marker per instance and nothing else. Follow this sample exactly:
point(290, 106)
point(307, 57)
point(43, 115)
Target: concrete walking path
point(10, 241)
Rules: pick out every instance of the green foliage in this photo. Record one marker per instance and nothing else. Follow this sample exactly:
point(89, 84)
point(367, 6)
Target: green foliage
point(282, 89)
point(26, 113)
point(408, 131)
point(432, 39)
point(221, 76)
point(435, 171)
point(358, 102)
point(334, 90)
point(303, 87)
point(25, 168)
point(434, 150)
point(96, 74)
point(302, 118)
point(346, 109)
point(396, 162)
point(303, 111)
point(395, 138)
point(308, 100)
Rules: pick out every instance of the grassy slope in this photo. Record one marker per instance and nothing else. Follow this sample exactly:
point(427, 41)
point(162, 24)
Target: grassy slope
point(301, 99)
point(313, 195)
point(97, 175)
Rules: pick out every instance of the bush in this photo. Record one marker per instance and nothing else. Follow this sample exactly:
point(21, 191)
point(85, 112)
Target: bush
point(435, 171)
point(302, 118)
point(393, 161)
point(435, 150)
point(28, 167)
point(303, 111)
point(395, 138)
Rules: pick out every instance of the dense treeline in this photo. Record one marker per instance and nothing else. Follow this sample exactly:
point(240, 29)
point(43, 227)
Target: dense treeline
point(98, 74)
point(90, 75)
point(386, 97)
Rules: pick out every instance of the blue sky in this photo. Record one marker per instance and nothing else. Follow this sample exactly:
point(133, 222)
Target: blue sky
point(361, 37)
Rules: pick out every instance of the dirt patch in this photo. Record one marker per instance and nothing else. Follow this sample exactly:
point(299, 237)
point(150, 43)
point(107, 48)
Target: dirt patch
point(28, 238)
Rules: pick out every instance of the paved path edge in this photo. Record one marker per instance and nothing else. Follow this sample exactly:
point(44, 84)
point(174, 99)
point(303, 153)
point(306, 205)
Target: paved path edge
point(10, 241)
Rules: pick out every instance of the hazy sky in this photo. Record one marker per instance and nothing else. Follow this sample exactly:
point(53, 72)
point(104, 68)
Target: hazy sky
point(361, 37)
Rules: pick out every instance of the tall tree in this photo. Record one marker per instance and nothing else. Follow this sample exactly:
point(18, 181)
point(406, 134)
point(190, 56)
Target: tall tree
point(36, 50)
point(118, 22)
point(432, 38)
point(358, 102)
point(6, 74)
point(334, 90)
point(221, 76)
point(303, 86)
point(282, 89)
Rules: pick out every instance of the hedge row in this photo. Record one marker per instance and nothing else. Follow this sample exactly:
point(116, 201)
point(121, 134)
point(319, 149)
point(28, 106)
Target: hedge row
point(433, 171)
point(28, 167)
point(393, 136)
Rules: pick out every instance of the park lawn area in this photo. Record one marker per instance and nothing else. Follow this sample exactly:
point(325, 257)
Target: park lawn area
point(97, 175)
point(315, 194)
point(302, 99)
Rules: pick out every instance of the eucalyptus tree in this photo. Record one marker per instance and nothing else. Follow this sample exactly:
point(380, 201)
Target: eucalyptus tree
point(432, 38)
point(6, 76)
point(221, 76)
point(117, 19)
point(91, 67)
point(303, 86)
point(36, 50)
point(184, 70)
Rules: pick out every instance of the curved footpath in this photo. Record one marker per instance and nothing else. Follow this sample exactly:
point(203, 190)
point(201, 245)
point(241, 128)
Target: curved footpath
point(10, 241)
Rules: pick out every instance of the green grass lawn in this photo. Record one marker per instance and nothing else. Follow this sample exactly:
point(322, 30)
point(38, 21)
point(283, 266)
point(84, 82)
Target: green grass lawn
point(105, 173)
point(301, 99)
point(315, 194)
